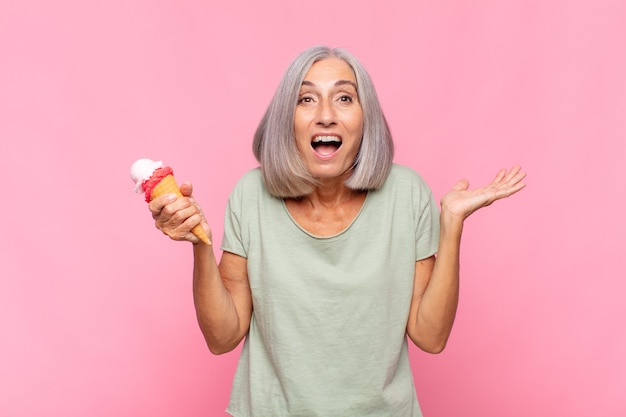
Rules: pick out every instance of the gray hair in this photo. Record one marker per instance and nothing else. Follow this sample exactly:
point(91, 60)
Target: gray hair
point(274, 144)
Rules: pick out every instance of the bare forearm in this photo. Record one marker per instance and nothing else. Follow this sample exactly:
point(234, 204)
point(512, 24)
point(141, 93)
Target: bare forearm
point(215, 309)
point(436, 289)
point(438, 305)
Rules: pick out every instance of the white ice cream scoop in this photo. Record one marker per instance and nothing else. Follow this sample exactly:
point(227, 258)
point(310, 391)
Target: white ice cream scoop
point(141, 170)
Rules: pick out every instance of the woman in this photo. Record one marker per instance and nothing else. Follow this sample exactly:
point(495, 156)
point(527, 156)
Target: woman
point(328, 259)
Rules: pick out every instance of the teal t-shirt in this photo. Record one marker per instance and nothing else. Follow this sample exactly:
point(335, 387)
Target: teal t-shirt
point(328, 329)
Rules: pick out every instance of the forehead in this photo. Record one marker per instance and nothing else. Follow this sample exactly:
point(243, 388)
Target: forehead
point(330, 69)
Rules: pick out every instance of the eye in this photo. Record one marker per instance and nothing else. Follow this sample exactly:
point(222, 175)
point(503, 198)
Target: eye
point(346, 98)
point(305, 99)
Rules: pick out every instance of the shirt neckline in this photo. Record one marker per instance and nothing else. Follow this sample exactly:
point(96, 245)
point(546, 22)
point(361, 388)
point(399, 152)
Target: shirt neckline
point(329, 237)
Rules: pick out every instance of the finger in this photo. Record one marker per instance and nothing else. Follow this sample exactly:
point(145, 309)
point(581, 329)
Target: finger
point(176, 212)
point(173, 214)
point(508, 179)
point(183, 230)
point(511, 189)
point(461, 185)
point(186, 189)
point(157, 205)
point(512, 173)
point(499, 176)
point(515, 176)
point(176, 223)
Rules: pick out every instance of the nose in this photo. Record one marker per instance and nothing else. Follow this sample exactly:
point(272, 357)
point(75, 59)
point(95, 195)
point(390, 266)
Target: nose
point(326, 115)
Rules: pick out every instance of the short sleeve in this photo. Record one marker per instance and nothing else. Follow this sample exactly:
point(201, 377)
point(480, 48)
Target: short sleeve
point(233, 237)
point(427, 225)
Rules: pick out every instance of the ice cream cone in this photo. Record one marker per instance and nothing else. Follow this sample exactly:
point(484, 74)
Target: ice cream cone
point(169, 185)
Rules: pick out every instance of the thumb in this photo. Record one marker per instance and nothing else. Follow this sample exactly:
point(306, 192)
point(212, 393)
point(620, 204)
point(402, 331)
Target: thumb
point(461, 185)
point(186, 189)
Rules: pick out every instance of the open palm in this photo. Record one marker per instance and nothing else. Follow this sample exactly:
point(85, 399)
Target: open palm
point(461, 202)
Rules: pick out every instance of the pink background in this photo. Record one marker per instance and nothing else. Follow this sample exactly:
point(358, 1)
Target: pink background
point(96, 311)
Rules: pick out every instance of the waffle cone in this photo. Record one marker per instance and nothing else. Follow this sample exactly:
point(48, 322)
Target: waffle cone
point(168, 185)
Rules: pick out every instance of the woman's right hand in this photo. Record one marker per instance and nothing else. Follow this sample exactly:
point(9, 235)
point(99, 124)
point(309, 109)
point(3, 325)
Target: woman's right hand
point(176, 216)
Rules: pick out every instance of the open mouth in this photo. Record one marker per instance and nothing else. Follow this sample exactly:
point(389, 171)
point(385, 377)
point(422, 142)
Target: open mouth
point(326, 145)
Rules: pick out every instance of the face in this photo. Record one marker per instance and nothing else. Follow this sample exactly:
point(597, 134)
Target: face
point(329, 120)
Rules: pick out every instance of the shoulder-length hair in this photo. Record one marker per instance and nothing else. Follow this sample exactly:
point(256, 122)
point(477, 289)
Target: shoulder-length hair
point(274, 144)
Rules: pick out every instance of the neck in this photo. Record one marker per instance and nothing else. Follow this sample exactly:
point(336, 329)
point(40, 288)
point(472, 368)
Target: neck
point(329, 195)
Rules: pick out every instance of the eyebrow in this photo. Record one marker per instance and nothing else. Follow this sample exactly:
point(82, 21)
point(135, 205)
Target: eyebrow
point(337, 84)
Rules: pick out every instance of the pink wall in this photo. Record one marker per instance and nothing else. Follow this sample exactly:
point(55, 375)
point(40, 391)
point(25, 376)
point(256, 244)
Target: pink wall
point(95, 305)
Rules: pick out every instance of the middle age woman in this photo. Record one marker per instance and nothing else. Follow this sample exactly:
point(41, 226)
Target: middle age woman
point(332, 255)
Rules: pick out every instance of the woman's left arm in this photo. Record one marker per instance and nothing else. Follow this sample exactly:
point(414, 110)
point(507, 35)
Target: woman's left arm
point(436, 282)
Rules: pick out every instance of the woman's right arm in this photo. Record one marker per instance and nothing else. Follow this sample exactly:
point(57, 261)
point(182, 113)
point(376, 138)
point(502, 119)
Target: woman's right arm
point(222, 298)
point(221, 293)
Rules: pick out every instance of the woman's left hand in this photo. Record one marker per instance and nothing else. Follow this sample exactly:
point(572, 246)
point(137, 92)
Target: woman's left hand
point(460, 202)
